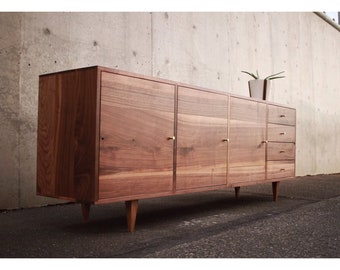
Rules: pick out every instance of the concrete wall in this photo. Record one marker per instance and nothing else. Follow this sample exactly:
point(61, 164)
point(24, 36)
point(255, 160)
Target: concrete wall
point(205, 49)
point(9, 110)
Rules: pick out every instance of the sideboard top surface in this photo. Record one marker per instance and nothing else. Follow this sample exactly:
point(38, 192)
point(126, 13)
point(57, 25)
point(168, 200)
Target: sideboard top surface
point(146, 77)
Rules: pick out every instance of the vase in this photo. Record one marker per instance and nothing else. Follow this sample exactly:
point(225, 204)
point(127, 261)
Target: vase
point(259, 89)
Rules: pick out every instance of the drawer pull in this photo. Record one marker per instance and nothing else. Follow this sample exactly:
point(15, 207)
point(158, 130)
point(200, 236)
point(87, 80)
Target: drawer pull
point(282, 151)
point(171, 138)
point(281, 170)
point(225, 140)
point(283, 133)
point(266, 141)
point(282, 115)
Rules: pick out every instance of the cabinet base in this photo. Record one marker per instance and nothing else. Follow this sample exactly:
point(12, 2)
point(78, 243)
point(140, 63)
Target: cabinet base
point(237, 192)
point(132, 207)
point(275, 188)
point(131, 214)
point(85, 208)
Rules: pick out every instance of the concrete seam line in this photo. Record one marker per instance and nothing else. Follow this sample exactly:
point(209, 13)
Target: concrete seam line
point(328, 20)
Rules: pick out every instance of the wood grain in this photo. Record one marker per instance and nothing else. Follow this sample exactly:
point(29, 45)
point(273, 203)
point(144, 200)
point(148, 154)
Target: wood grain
point(247, 136)
point(123, 185)
point(48, 124)
point(201, 152)
point(67, 134)
point(280, 151)
point(281, 133)
point(280, 169)
point(246, 175)
point(281, 115)
point(137, 117)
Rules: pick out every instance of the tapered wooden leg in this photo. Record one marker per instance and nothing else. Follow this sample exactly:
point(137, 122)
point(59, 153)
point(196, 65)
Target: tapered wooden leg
point(131, 214)
point(85, 208)
point(237, 192)
point(275, 187)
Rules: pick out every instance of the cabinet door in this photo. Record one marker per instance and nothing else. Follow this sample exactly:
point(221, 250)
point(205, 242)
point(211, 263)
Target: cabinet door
point(201, 130)
point(246, 145)
point(136, 156)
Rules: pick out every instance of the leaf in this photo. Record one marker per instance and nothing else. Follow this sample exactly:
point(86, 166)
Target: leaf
point(251, 74)
point(274, 76)
point(270, 77)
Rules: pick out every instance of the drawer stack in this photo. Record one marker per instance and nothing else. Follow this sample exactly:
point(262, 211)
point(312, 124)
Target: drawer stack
point(281, 142)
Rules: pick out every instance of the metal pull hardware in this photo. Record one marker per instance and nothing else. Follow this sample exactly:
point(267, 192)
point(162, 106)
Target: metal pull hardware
point(171, 138)
point(282, 151)
point(225, 140)
point(281, 170)
point(265, 141)
point(283, 133)
point(282, 115)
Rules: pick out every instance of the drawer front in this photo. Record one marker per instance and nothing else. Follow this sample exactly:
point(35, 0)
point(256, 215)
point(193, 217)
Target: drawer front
point(280, 151)
point(281, 115)
point(280, 169)
point(281, 133)
point(240, 176)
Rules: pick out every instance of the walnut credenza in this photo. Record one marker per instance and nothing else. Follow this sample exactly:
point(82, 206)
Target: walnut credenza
point(106, 135)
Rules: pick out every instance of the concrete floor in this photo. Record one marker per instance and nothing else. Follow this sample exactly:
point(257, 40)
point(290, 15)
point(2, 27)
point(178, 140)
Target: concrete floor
point(304, 223)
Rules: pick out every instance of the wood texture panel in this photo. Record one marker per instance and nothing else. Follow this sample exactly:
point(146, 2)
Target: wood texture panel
point(48, 124)
point(281, 133)
point(246, 175)
point(137, 117)
point(280, 151)
point(134, 186)
point(247, 136)
point(281, 115)
point(201, 130)
point(247, 133)
point(67, 134)
point(280, 169)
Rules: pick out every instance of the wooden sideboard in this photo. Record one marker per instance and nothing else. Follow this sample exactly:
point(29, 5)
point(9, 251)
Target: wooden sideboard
point(106, 135)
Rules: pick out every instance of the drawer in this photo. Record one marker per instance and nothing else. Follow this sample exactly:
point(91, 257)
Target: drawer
point(281, 115)
point(280, 169)
point(240, 176)
point(281, 133)
point(280, 151)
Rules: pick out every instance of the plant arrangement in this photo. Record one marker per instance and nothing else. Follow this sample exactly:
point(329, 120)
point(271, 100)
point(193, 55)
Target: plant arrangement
point(260, 88)
point(270, 77)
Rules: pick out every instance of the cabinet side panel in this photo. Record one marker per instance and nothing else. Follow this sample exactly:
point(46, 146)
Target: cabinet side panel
point(48, 122)
point(86, 134)
point(67, 134)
